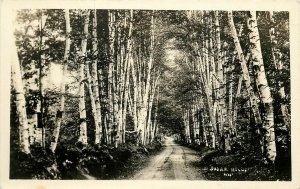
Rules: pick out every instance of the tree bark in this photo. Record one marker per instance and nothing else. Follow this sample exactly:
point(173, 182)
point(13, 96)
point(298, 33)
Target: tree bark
point(110, 84)
point(143, 83)
point(245, 72)
point(155, 116)
point(20, 103)
point(150, 105)
point(221, 88)
point(264, 90)
point(95, 82)
point(60, 112)
point(93, 105)
point(82, 108)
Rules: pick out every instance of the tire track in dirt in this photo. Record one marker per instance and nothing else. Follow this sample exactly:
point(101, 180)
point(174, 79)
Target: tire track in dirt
point(175, 162)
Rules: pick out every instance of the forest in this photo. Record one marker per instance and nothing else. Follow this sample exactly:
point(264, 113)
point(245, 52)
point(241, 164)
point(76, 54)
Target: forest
point(98, 94)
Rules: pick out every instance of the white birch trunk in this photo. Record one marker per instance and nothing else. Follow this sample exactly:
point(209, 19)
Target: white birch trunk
point(60, 112)
point(82, 108)
point(20, 103)
point(93, 105)
point(95, 82)
point(110, 83)
point(245, 72)
point(264, 90)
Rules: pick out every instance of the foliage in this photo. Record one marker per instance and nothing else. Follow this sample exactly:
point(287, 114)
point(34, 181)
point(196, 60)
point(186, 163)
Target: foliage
point(181, 40)
point(76, 162)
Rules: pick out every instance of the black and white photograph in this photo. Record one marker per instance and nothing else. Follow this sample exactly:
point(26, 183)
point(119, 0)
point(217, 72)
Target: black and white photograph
point(150, 94)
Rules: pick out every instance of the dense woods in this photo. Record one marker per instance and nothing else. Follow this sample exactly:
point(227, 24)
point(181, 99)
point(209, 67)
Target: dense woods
point(92, 90)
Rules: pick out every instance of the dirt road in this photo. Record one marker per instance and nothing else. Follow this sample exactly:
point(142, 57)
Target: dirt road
point(175, 162)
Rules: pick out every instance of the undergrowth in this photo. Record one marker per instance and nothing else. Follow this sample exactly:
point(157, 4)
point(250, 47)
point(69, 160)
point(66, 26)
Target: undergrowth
point(99, 162)
point(241, 164)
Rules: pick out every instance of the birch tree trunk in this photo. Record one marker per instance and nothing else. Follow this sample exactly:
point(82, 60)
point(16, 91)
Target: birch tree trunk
point(20, 103)
point(110, 83)
point(221, 88)
point(150, 105)
point(245, 72)
point(188, 127)
point(143, 87)
point(134, 95)
point(126, 52)
point(104, 128)
point(155, 117)
point(117, 99)
point(230, 101)
point(82, 108)
point(126, 96)
point(237, 95)
point(146, 95)
point(60, 112)
point(93, 105)
point(204, 128)
point(264, 90)
point(205, 77)
point(95, 82)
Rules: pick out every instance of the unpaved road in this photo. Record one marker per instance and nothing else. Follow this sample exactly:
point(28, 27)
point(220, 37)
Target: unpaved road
point(175, 162)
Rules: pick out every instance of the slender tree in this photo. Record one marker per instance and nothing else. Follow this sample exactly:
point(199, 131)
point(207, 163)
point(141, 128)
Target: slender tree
point(60, 112)
point(95, 84)
point(82, 108)
point(245, 72)
point(264, 89)
point(20, 103)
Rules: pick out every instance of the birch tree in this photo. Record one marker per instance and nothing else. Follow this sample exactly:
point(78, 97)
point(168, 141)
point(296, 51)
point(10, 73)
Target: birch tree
point(82, 108)
point(264, 90)
point(20, 103)
point(60, 113)
point(142, 77)
point(95, 84)
point(245, 72)
point(110, 83)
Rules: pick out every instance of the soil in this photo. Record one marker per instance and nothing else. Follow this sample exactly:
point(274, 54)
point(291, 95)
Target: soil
point(174, 162)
